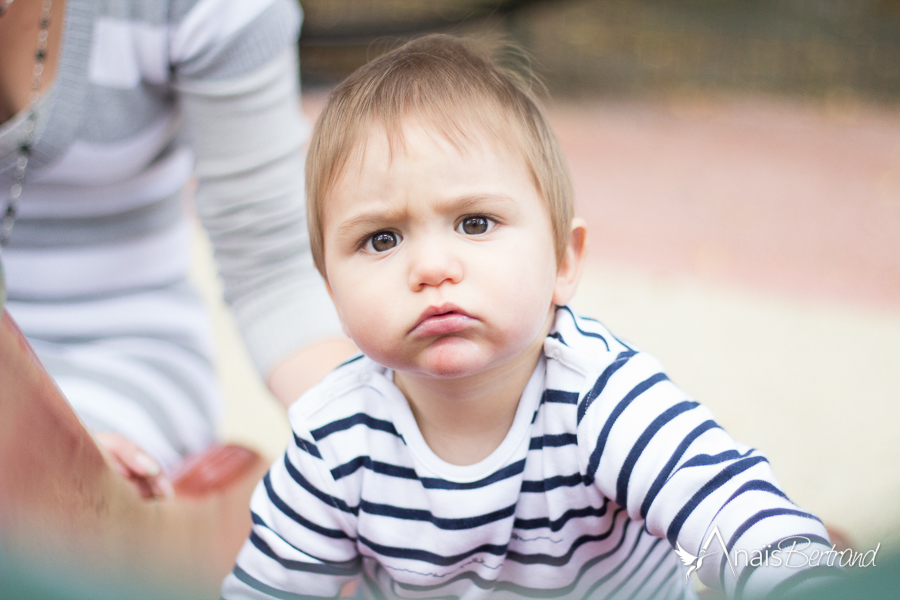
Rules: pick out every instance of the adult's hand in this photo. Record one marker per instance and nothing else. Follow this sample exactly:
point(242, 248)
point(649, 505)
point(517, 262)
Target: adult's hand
point(136, 465)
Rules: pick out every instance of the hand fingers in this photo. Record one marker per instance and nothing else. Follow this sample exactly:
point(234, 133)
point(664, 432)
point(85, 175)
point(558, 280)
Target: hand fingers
point(161, 487)
point(129, 454)
point(137, 466)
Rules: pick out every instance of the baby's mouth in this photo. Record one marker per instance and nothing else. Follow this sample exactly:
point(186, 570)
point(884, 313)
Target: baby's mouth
point(441, 320)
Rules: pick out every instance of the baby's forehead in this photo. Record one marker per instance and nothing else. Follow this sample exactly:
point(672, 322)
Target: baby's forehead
point(464, 136)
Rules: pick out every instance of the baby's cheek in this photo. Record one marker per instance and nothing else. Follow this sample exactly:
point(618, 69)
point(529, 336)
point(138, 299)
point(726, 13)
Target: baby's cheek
point(372, 335)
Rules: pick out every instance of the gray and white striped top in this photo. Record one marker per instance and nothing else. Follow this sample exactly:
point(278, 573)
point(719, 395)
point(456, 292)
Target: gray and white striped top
point(149, 93)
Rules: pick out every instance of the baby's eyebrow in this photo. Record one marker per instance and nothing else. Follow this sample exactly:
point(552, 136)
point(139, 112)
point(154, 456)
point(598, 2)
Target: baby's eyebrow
point(472, 202)
point(372, 218)
point(381, 217)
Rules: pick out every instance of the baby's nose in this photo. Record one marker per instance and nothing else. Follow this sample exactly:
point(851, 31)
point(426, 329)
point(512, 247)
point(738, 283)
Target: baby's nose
point(433, 263)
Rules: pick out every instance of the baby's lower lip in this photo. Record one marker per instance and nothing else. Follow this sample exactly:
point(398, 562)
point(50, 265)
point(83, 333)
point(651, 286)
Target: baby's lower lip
point(442, 324)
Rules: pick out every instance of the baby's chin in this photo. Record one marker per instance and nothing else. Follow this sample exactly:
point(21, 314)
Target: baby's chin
point(450, 357)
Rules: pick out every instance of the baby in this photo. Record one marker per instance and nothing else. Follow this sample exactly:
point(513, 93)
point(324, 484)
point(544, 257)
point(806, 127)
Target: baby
point(489, 442)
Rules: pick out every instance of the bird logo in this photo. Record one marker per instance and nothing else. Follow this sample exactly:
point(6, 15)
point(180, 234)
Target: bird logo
point(688, 559)
point(693, 562)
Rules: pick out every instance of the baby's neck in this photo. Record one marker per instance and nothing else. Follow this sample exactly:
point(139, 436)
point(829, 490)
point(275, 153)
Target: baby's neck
point(464, 419)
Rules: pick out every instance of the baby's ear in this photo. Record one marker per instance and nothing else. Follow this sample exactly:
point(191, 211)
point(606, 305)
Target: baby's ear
point(569, 270)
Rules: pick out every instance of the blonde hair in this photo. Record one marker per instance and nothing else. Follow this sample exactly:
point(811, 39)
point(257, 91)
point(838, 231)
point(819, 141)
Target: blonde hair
point(449, 86)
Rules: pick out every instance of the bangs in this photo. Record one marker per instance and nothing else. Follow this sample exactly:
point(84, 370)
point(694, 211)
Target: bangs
point(438, 82)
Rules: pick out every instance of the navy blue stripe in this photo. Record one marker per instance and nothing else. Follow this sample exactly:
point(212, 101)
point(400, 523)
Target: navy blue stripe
point(642, 441)
point(612, 572)
point(308, 447)
point(390, 470)
point(507, 586)
point(631, 576)
point(259, 586)
point(705, 460)
point(584, 317)
point(601, 382)
point(416, 514)
point(504, 473)
point(765, 514)
point(347, 569)
point(309, 487)
point(493, 549)
point(754, 485)
point(430, 557)
point(594, 461)
point(665, 555)
point(557, 336)
point(558, 561)
point(565, 591)
point(474, 579)
point(721, 478)
point(559, 396)
point(540, 486)
point(349, 360)
point(557, 524)
point(624, 345)
point(382, 468)
point(351, 421)
point(582, 331)
point(553, 441)
point(673, 460)
point(667, 578)
point(337, 534)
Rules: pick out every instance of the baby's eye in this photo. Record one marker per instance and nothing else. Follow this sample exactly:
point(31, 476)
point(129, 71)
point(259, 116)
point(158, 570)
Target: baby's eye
point(382, 241)
point(475, 225)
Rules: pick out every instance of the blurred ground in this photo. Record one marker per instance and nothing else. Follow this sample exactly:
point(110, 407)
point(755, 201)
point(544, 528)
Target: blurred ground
point(753, 247)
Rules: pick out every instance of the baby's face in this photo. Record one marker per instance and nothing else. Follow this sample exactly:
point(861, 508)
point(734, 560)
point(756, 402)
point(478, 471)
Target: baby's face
point(440, 262)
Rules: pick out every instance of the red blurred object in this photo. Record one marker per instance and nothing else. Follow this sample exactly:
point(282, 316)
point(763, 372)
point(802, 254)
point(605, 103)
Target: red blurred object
point(214, 470)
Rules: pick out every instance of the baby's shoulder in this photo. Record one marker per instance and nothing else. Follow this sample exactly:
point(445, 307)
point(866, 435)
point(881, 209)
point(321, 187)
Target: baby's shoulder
point(348, 414)
point(357, 386)
point(594, 367)
point(584, 344)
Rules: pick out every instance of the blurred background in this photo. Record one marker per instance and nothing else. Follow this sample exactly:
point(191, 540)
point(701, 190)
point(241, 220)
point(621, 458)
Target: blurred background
point(738, 163)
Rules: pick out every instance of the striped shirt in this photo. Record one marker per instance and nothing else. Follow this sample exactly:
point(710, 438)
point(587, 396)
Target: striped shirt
point(606, 467)
point(149, 93)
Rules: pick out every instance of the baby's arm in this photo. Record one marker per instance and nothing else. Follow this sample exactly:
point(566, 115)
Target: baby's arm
point(662, 457)
point(302, 543)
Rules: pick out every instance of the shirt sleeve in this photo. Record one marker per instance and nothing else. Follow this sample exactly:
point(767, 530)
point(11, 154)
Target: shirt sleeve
point(303, 542)
point(662, 457)
point(235, 73)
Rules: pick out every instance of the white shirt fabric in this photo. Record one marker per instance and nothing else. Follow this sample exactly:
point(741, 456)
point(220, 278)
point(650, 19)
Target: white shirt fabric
point(606, 467)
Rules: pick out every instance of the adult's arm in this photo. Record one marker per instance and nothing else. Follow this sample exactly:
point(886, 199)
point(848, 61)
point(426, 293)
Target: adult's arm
point(237, 87)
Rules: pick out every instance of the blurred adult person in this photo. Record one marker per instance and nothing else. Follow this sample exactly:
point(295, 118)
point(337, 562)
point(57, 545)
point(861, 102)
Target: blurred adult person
point(107, 110)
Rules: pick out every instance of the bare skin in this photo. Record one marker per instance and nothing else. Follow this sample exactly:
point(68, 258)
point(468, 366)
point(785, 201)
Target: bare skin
point(397, 246)
point(468, 430)
point(19, 30)
point(290, 379)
